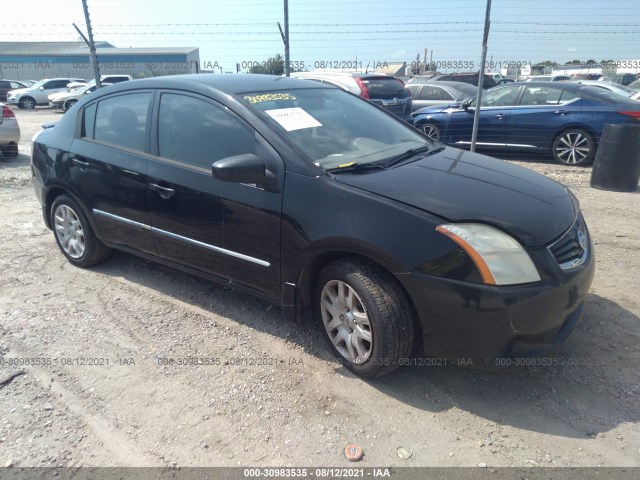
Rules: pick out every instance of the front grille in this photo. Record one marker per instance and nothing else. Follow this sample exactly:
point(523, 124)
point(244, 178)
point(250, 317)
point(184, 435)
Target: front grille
point(571, 250)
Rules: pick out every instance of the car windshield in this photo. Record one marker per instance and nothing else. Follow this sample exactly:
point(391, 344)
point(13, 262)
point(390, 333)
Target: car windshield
point(38, 84)
point(333, 127)
point(468, 89)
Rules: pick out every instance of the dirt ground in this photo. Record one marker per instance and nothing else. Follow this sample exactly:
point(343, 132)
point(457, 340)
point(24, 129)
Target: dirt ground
point(268, 393)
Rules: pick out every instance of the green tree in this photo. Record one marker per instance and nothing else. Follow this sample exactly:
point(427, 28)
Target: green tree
point(273, 66)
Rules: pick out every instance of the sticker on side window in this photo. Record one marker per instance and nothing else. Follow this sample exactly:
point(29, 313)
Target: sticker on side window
point(293, 118)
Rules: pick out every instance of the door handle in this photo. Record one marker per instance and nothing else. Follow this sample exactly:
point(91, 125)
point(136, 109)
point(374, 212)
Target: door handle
point(499, 116)
point(560, 112)
point(164, 192)
point(81, 162)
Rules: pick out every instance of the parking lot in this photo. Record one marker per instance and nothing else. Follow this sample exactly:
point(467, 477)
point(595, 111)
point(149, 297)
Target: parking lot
point(264, 392)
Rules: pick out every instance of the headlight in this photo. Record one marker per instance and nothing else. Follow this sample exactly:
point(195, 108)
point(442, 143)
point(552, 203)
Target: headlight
point(500, 259)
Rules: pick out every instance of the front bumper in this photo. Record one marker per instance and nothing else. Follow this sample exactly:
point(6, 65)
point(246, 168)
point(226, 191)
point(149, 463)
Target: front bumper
point(486, 326)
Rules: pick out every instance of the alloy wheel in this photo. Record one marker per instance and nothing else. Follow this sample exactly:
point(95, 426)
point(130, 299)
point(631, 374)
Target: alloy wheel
point(573, 147)
point(69, 231)
point(431, 131)
point(346, 321)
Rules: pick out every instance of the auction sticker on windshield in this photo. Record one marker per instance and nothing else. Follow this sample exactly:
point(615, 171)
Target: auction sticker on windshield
point(293, 118)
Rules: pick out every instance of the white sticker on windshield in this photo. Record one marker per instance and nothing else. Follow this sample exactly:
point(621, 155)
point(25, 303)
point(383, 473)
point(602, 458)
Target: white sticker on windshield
point(293, 118)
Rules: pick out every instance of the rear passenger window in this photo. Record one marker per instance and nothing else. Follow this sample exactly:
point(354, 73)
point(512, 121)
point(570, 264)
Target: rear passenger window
point(122, 120)
point(88, 121)
point(198, 133)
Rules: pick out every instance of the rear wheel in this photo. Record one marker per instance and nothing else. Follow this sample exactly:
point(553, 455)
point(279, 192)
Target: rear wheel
point(28, 103)
point(11, 151)
point(574, 147)
point(431, 131)
point(365, 316)
point(74, 234)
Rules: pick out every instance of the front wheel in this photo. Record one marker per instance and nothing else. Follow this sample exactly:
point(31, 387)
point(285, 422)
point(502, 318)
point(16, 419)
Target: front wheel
point(366, 317)
point(68, 104)
point(430, 130)
point(74, 234)
point(574, 147)
point(10, 151)
point(27, 103)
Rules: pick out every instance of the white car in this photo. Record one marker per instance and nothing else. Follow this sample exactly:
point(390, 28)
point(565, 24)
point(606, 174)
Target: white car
point(104, 79)
point(499, 78)
point(65, 100)
point(38, 93)
point(548, 78)
point(9, 132)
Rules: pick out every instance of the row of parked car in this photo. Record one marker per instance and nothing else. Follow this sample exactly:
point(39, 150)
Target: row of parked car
point(61, 93)
point(563, 118)
point(56, 92)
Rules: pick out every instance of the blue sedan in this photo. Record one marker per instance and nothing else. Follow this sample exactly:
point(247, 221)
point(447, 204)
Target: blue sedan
point(564, 119)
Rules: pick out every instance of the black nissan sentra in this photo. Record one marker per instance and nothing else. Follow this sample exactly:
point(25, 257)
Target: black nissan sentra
point(311, 197)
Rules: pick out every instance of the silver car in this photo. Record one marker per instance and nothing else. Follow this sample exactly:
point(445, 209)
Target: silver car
point(9, 132)
point(38, 93)
point(438, 93)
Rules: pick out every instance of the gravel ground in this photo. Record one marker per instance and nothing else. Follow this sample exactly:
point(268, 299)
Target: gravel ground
point(271, 395)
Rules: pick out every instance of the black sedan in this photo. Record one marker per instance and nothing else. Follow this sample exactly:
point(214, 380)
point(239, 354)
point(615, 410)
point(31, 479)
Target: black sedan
point(315, 199)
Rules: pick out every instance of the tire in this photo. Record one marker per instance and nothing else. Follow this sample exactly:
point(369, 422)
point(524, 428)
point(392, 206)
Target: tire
point(574, 147)
point(10, 151)
point(375, 331)
point(431, 130)
point(27, 103)
point(68, 104)
point(74, 234)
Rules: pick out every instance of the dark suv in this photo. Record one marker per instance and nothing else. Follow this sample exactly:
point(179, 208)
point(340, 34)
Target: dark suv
point(383, 90)
point(471, 78)
point(7, 85)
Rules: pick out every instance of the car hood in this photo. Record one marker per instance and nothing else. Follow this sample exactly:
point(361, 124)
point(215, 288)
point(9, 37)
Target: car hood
point(18, 91)
point(61, 96)
point(461, 186)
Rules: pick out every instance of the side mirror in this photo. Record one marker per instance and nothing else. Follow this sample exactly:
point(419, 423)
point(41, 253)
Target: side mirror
point(41, 88)
point(246, 168)
point(466, 104)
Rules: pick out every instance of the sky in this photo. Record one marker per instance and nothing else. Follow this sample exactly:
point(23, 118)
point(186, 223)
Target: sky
point(347, 32)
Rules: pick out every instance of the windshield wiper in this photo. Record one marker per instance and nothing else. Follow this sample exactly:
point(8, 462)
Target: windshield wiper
point(414, 152)
point(354, 166)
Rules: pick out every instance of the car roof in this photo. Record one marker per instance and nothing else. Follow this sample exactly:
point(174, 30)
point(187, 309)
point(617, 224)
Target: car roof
point(341, 74)
point(226, 83)
point(60, 78)
point(441, 83)
point(572, 86)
